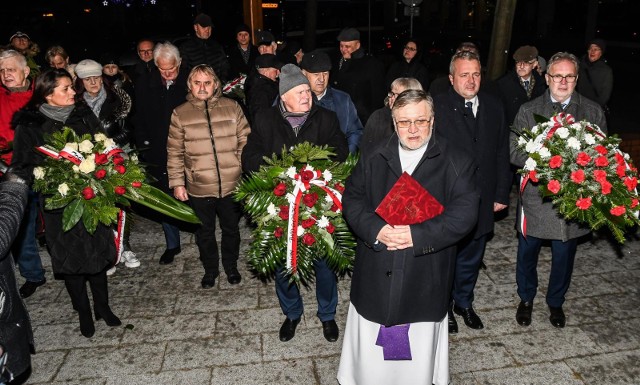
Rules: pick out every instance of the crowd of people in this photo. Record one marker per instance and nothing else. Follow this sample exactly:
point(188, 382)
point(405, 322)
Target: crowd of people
point(451, 134)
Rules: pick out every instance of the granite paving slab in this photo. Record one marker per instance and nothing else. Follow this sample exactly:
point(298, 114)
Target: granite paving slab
point(619, 368)
point(552, 373)
point(217, 351)
point(189, 377)
point(295, 371)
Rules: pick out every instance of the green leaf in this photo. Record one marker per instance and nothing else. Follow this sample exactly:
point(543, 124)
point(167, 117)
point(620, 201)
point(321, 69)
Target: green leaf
point(72, 214)
point(156, 199)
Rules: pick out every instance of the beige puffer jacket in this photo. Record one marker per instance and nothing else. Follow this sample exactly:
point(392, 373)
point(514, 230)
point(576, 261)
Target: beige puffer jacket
point(204, 156)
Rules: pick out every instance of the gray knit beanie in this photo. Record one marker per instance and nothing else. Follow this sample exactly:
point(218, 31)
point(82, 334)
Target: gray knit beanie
point(291, 76)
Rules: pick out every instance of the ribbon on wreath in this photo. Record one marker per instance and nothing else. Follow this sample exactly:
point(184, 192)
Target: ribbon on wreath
point(558, 121)
point(303, 181)
point(118, 235)
point(67, 153)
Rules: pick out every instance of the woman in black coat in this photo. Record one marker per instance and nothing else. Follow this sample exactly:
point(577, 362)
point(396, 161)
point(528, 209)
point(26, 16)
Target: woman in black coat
point(409, 66)
point(76, 255)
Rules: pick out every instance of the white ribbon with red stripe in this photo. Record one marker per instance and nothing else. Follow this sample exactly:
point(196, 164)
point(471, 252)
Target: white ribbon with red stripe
point(303, 184)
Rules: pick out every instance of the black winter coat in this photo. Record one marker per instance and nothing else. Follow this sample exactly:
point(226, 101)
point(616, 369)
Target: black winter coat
point(260, 92)
point(379, 127)
point(15, 326)
point(205, 51)
point(402, 69)
point(362, 77)
point(486, 140)
point(154, 104)
point(271, 133)
point(237, 64)
point(114, 116)
point(414, 284)
point(514, 95)
point(75, 251)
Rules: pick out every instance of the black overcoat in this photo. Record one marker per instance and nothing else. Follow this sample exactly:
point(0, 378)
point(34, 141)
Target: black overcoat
point(514, 95)
point(411, 285)
point(484, 138)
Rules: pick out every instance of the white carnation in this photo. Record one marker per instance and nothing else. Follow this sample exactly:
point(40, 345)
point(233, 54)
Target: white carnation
point(85, 146)
point(300, 231)
point(99, 137)
point(535, 129)
point(530, 164)
point(562, 132)
point(323, 222)
point(532, 146)
point(38, 172)
point(544, 153)
point(328, 199)
point(326, 174)
point(290, 198)
point(134, 157)
point(589, 139)
point(521, 141)
point(72, 145)
point(574, 143)
point(75, 168)
point(109, 143)
point(63, 189)
point(291, 172)
point(272, 209)
point(88, 165)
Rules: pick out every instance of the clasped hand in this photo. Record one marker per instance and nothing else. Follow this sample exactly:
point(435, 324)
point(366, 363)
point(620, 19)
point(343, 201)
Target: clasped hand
point(395, 237)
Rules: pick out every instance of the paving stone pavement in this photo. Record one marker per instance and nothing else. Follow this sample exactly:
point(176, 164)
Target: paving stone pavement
point(174, 332)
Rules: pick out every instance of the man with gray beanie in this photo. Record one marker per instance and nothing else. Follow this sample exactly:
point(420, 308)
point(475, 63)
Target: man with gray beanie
point(295, 119)
point(316, 66)
point(361, 76)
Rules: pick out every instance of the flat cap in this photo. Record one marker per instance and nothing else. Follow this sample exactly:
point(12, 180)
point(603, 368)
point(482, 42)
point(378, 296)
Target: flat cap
point(268, 61)
point(525, 53)
point(203, 20)
point(88, 68)
point(349, 34)
point(315, 61)
point(265, 38)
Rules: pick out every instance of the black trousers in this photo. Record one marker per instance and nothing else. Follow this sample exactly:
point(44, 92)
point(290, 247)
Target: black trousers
point(229, 213)
point(76, 285)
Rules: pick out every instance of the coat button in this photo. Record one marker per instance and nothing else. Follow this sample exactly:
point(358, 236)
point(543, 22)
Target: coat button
point(389, 273)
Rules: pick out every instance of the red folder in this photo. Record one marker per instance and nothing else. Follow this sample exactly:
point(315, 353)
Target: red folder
point(408, 203)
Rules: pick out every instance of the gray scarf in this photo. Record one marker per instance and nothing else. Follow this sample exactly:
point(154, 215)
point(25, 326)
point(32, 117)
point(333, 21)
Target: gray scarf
point(295, 119)
point(60, 114)
point(95, 103)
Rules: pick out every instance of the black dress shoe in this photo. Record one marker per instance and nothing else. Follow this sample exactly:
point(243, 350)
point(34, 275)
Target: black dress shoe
point(29, 287)
point(470, 317)
point(109, 318)
point(168, 255)
point(330, 330)
point(233, 276)
point(87, 328)
point(523, 314)
point(288, 329)
point(208, 281)
point(557, 317)
point(453, 324)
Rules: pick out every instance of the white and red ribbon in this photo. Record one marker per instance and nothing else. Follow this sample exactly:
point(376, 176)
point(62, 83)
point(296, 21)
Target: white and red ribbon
point(298, 191)
point(118, 235)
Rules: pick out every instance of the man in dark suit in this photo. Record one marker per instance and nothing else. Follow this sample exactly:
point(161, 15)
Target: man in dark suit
point(474, 122)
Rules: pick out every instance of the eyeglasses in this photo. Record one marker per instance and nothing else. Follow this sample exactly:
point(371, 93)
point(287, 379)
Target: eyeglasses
point(145, 51)
point(525, 63)
point(419, 123)
point(410, 48)
point(560, 78)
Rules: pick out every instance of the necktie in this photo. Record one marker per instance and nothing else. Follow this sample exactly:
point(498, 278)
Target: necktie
point(526, 85)
point(169, 83)
point(469, 109)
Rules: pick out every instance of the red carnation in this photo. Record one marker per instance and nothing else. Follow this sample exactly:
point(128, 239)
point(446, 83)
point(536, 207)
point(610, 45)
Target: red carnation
point(577, 176)
point(621, 171)
point(310, 199)
point(600, 175)
point(555, 161)
point(120, 190)
point(618, 210)
point(583, 159)
point(100, 174)
point(306, 175)
point(278, 232)
point(308, 223)
point(308, 239)
point(330, 228)
point(280, 189)
point(583, 203)
point(606, 187)
point(136, 184)
point(602, 150)
point(631, 183)
point(619, 158)
point(101, 159)
point(118, 160)
point(87, 193)
point(634, 202)
point(335, 208)
point(533, 175)
point(602, 161)
point(553, 186)
point(284, 212)
point(120, 169)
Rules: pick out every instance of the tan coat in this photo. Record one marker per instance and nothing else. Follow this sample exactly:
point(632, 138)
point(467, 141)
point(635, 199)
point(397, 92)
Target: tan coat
point(204, 156)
